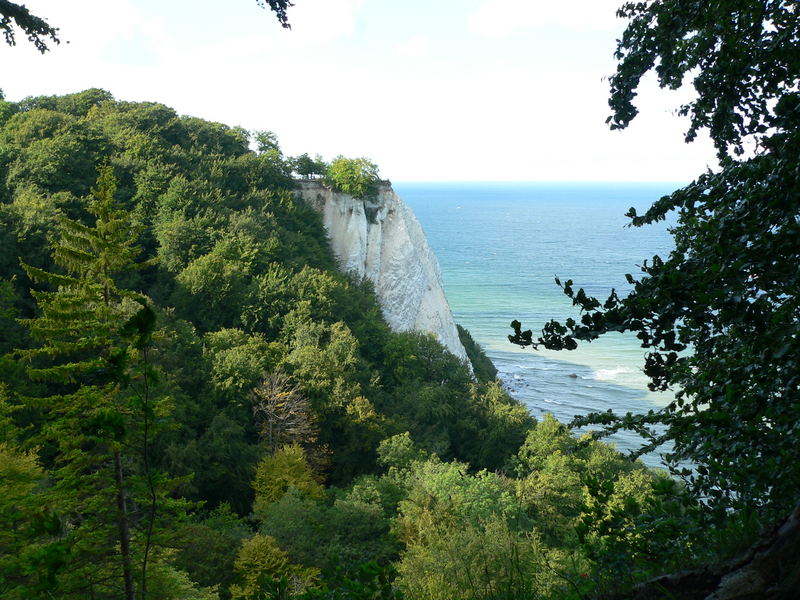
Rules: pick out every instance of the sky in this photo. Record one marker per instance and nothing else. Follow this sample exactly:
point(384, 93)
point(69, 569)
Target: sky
point(431, 90)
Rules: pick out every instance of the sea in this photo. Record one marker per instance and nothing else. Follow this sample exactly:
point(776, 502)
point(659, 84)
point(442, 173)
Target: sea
point(501, 246)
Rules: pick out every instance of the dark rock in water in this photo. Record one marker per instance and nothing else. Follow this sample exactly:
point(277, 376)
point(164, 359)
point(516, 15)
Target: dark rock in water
point(573, 375)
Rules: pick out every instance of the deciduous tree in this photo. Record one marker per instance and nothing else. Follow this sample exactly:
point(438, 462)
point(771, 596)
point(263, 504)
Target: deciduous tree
point(304, 165)
point(284, 416)
point(355, 176)
point(720, 316)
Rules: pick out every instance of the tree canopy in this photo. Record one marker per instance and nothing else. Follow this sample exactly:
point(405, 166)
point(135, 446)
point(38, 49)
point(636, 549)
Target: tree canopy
point(182, 364)
point(229, 416)
point(719, 316)
point(741, 57)
point(355, 176)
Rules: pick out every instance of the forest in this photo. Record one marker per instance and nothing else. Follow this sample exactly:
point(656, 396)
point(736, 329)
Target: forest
point(196, 404)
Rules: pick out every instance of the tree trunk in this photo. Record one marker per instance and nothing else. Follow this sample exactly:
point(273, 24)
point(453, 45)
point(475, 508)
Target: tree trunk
point(124, 530)
point(769, 570)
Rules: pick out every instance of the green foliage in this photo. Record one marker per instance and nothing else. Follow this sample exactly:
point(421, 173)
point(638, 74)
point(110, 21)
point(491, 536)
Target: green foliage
point(242, 340)
point(552, 468)
point(56, 153)
point(260, 557)
point(485, 561)
point(215, 287)
point(169, 583)
point(447, 495)
point(93, 335)
point(325, 358)
point(7, 110)
point(303, 165)
point(635, 527)
point(181, 240)
point(13, 332)
point(325, 361)
point(504, 424)
point(329, 537)
point(436, 399)
point(78, 104)
point(368, 581)
point(740, 54)
point(467, 535)
point(384, 492)
point(357, 177)
point(32, 125)
point(718, 316)
point(266, 141)
point(88, 295)
point(233, 246)
point(286, 469)
point(431, 394)
point(399, 452)
point(222, 457)
point(308, 167)
point(23, 523)
point(482, 366)
point(620, 521)
point(237, 360)
point(207, 548)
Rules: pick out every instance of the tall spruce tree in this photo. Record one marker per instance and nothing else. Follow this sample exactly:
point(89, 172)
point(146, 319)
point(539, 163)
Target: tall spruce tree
point(92, 334)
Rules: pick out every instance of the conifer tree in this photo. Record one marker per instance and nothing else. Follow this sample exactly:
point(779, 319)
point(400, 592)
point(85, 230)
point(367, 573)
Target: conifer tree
point(92, 334)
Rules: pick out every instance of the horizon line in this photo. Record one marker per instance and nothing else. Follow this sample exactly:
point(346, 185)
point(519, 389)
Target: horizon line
point(543, 181)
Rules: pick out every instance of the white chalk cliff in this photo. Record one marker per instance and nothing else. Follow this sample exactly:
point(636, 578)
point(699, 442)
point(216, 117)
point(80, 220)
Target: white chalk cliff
point(381, 239)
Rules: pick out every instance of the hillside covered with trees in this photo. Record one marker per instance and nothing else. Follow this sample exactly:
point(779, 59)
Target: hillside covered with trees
point(196, 404)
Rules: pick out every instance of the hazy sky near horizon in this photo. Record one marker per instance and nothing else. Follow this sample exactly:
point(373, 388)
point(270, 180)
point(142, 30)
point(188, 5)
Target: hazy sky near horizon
point(443, 90)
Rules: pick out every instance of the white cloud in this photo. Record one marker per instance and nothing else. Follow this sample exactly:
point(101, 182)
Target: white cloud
point(89, 26)
point(418, 46)
point(316, 22)
point(500, 18)
point(493, 115)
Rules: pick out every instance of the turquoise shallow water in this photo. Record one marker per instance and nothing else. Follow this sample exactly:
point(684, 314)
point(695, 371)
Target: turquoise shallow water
point(500, 245)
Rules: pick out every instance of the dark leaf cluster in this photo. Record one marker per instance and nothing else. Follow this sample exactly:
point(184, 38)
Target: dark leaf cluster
point(741, 57)
point(37, 30)
point(720, 316)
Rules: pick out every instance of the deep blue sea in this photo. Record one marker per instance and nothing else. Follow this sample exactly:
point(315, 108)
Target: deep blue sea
point(500, 245)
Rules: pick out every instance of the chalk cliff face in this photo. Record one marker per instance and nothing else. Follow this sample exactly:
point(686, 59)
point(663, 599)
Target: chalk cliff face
point(382, 240)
